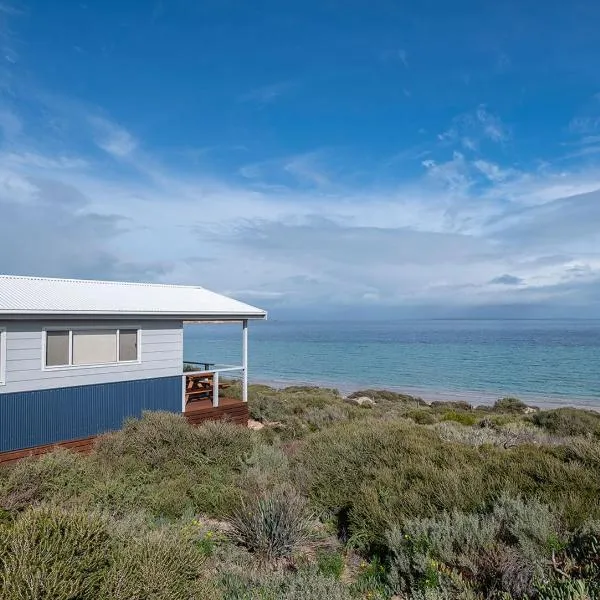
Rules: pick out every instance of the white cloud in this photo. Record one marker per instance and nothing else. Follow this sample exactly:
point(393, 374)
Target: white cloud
point(399, 54)
point(307, 167)
point(112, 138)
point(585, 125)
point(471, 129)
point(492, 171)
point(493, 128)
point(39, 161)
point(268, 93)
point(296, 232)
point(453, 174)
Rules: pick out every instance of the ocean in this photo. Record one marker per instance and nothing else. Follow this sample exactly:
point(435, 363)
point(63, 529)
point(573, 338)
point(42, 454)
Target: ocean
point(548, 363)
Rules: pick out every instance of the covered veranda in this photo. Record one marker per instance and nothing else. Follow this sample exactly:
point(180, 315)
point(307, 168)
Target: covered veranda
point(208, 387)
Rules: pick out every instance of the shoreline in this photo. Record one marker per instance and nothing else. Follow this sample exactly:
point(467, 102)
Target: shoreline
point(474, 398)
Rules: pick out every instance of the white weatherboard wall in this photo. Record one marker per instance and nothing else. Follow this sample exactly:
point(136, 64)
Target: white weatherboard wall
point(161, 355)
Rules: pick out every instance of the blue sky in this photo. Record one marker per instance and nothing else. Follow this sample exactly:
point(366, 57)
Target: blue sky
point(338, 158)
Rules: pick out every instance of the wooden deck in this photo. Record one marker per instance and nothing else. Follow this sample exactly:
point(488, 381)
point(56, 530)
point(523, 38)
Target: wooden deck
point(236, 411)
point(199, 396)
point(83, 445)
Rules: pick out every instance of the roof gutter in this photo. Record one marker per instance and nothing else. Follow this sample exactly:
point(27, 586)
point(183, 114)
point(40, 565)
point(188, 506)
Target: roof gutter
point(191, 317)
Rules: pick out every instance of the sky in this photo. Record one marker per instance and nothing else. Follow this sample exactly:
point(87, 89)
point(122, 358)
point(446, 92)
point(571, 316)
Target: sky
point(335, 158)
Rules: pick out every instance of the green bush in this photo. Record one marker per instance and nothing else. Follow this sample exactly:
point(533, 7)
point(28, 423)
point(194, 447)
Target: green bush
point(510, 405)
point(460, 417)
point(330, 564)
point(162, 464)
point(530, 525)
point(579, 559)
point(161, 439)
point(388, 396)
point(268, 404)
point(371, 473)
point(320, 418)
point(56, 475)
point(507, 550)
point(272, 525)
point(421, 416)
point(48, 553)
point(440, 405)
point(566, 589)
point(303, 585)
point(454, 540)
point(267, 467)
point(154, 565)
point(568, 421)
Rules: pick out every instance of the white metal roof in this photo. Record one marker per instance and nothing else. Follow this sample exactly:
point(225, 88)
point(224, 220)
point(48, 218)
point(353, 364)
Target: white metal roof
point(76, 297)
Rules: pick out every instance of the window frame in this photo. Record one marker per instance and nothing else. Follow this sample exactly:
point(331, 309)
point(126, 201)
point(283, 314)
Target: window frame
point(74, 328)
point(3, 355)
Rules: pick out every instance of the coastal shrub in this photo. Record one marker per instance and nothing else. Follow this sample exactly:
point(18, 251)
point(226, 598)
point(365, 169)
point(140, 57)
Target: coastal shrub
point(569, 421)
point(320, 418)
point(161, 439)
point(268, 404)
point(158, 463)
point(154, 565)
point(443, 405)
point(272, 525)
point(267, 467)
point(371, 473)
point(506, 550)
point(371, 580)
point(579, 558)
point(528, 524)
point(302, 585)
point(56, 475)
point(451, 540)
point(421, 416)
point(510, 405)
point(389, 396)
point(162, 464)
point(565, 589)
point(330, 563)
point(583, 551)
point(49, 553)
point(459, 417)
point(513, 434)
point(152, 441)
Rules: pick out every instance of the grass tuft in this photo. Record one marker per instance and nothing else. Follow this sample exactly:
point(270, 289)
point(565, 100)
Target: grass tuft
point(273, 525)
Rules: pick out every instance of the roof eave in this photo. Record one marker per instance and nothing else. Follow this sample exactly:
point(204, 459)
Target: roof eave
point(179, 316)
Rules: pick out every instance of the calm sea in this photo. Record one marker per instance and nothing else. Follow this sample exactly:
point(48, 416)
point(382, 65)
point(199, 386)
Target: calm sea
point(549, 362)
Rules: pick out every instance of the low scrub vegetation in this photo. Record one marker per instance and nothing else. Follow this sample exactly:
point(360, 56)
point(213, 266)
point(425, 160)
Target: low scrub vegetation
point(333, 498)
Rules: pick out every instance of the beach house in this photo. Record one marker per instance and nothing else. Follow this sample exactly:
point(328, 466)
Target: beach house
point(79, 357)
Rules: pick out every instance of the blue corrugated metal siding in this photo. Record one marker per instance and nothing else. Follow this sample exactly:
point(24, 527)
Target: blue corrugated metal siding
point(47, 416)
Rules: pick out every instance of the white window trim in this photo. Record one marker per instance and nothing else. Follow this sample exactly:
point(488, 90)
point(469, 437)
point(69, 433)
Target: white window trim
point(2, 355)
point(72, 328)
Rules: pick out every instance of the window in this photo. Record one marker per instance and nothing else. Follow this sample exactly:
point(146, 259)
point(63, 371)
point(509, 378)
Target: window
point(94, 347)
point(57, 348)
point(90, 347)
point(2, 356)
point(128, 344)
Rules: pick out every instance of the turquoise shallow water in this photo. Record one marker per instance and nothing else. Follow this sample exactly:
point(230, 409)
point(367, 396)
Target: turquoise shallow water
point(550, 362)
